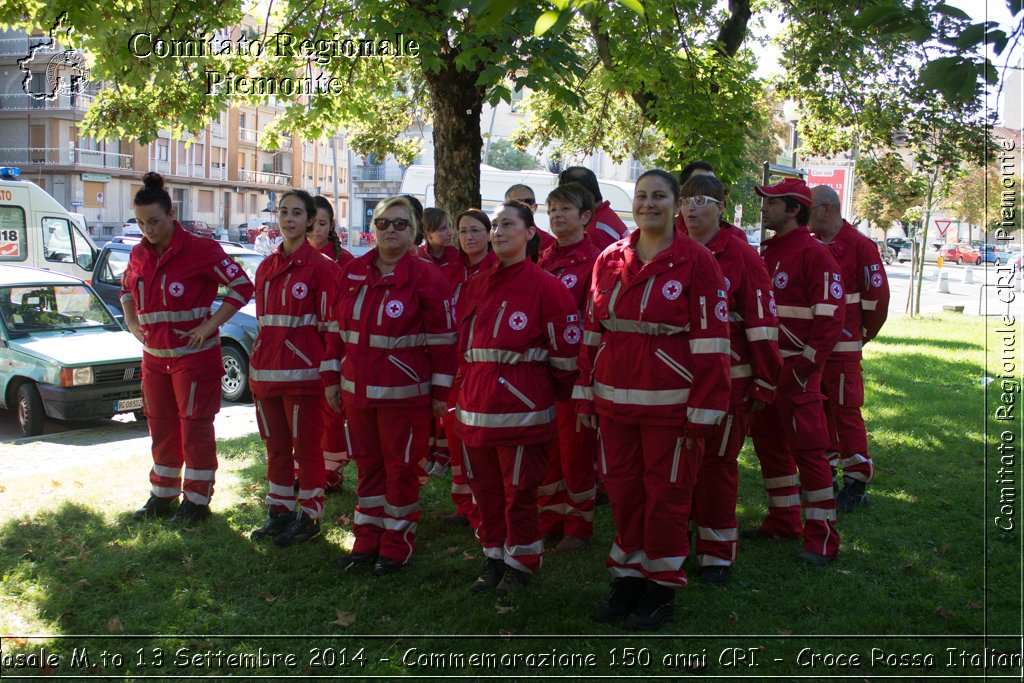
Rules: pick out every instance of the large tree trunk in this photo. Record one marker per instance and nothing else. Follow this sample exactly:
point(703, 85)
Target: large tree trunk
point(456, 102)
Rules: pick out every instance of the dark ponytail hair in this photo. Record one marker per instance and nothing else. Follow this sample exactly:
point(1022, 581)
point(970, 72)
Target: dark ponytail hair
point(153, 192)
point(332, 234)
point(533, 246)
point(307, 200)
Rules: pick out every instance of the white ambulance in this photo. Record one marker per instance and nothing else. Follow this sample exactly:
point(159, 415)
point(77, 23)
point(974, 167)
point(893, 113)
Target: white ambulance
point(35, 230)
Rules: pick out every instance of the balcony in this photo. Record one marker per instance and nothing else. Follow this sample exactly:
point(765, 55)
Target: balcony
point(264, 178)
point(285, 146)
point(378, 172)
point(20, 101)
point(248, 135)
point(65, 156)
point(218, 173)
point(161, 167)
point(21, 45)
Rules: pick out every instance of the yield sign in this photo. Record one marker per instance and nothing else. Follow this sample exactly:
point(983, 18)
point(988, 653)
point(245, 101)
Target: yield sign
point(943, 226)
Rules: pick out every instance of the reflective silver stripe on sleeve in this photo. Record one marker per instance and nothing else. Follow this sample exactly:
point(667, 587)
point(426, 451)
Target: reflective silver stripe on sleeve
point(330, 365)
point(505, 420)
point(800, 312)
point(762, 334)
point(639, 327)
point(439, 339)
point(583, 393)
point(766, 385)
point(853, 298)
point(504, 356)
point(592, 338)
point(868, 304)
point(641, 397)
point(712, 345)
point(567, 364)
point(182, 351)
point(286, 320)
point(738, 371)
point(826, 310)
point(442, 380)
point(848, 346)
point(173, 316)
point(704, 416)
point(610, 230)
point(126, 297)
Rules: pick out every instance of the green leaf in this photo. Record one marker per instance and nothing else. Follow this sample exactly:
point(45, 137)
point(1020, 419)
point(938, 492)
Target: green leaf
point(970, 36)
point(998, 39)
point(634, 5)
point(1015, 6)
point(545, 22)
point(955, 12)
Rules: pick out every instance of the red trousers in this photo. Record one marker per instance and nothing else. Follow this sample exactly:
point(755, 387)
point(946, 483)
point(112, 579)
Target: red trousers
point(790, 436)
point(566, 495)
point(714, 495)
point(504, 480)
point(388, 446)
point(334, 444)
point(462, 494)
point(439, 452)
point(181, 406)
point(649, 475)
point(843, 385)
point(291, 427)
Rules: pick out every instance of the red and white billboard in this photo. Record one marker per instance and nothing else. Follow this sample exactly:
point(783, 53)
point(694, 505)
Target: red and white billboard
point(839, 179)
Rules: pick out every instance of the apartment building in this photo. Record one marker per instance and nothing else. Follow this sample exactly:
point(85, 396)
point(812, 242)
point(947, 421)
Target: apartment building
point(225, 175)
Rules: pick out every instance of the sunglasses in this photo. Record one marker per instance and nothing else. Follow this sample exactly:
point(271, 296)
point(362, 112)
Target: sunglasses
point(399, 224)
point(700, 201)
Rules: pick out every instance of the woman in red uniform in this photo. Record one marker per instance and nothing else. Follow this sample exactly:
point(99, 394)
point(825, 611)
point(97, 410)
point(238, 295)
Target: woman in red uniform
point(324, 237)
point(295, 289)
point(754, 334)
point(473, 229)
point(655, 372)
point(519, 333)
point(397, 337)
point(566, 496)
point(166, 293)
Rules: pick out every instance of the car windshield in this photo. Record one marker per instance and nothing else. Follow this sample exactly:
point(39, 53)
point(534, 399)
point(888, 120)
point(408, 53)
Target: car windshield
point(249, 263)
point(40, 308)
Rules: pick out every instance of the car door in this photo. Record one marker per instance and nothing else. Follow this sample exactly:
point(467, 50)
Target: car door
point(106, 278)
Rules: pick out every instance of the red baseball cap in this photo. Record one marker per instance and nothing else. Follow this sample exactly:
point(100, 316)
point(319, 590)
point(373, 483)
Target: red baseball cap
point(790, 187)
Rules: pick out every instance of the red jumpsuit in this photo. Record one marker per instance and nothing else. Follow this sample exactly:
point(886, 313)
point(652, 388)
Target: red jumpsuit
point(754, 346)
point(791, 435)
point(397, 337)
point(333, 440)
point(566, 495)
point(605, 228)
point(656, 371)
point(462, 495)
point(519, 333)
point(867, 306)
point(172, 293)
point(294, 294)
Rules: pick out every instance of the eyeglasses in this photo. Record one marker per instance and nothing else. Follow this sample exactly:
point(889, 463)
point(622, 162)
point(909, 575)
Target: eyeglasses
point(699, 201)
point(399, 224)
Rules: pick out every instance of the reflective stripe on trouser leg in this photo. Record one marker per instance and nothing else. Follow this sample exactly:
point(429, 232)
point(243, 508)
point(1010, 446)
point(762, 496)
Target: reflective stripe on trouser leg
point(462, 494)
point(651, 513)
point(439, 447)
point(274, 414)
point(307, 432)
point(371, 485)
point(771, 444)
point(333, 439)
point(165, 432)
point(197, 392)
point(715, 492)
point(843, 385)
point(578, 452)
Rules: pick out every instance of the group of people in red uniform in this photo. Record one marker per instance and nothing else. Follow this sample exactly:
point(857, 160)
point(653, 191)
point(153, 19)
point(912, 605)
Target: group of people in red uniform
point(533, 370)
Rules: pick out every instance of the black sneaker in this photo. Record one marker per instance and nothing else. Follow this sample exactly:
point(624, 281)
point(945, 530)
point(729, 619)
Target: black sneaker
point(715, 575)
point(299, 530)
point(156, 507)
point(625, 596)
point(188, 514)
point(512, 580)
point(355, 560)
point(853, 496)
point(385, 565)
point(654, 608)
point(494, 570)
point(813, 559)
point(276, 523)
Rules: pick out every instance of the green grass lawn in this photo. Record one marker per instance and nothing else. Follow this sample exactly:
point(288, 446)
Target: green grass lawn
point(924, 569)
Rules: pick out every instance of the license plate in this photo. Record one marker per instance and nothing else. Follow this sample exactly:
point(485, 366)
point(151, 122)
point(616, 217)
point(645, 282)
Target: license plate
point(128, 404)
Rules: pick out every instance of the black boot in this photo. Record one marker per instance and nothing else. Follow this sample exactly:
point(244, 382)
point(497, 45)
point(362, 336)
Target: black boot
point(654, 609)
point(625, 596)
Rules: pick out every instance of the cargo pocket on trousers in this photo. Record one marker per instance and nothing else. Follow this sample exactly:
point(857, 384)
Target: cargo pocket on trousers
point(809, 423)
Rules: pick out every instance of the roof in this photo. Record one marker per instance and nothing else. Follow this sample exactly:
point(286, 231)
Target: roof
point(24, 275)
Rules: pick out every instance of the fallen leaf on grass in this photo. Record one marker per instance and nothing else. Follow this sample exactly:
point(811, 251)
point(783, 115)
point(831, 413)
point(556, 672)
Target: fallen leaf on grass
point(345, 619)
point(846, 572)
point(502, 609)
point(809, 608)
point(255, 488)
point(944, 613)
point(452, 550)
point(734, 618)
point(115, 626)
point(263, 595)
point(974, 606)
point(467, 556)
point(343, 520)
point(82, 582)
point(54, 483)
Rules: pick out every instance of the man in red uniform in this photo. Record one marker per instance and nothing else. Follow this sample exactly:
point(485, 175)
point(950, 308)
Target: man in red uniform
point(605, 227)
point(791, 435)
point(566, 496)
point(867, 306)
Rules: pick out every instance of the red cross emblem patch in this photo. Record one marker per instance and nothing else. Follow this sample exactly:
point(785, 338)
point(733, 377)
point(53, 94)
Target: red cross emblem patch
point(176, 289)
point(518, 320)
point(394, 309)
point(300, 290)
point(672, 290)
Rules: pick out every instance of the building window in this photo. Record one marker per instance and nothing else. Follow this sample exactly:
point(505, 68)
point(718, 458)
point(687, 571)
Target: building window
point(636, 169)
point(517, 99)
point(205, 201)
point(178, 199)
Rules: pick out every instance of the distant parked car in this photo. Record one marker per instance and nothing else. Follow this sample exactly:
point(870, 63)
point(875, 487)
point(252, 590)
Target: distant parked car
point(62, 354)
point(960, 253)
point(994, 253)
point(236, 335)
point(885, 251)
point(902, 248)
point(131, 228)
point(199, 228)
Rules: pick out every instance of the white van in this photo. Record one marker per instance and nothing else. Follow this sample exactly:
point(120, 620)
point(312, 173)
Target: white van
point(419, 182)
point(35, 230)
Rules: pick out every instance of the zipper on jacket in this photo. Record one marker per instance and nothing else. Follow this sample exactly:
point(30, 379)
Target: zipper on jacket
point(380, 310)
point(612, 298)
point(675, 460)
point(703, 313)
point(300, 354)
point(448, 312)
point(646, 297)
point(518, 394)
point(675, 365)
point(404, 368)
point(518, 466)
point(163, 288)
point(284, 290)
point(358, 308)
point(760, 308)
point(497, 321)
point(142, 295)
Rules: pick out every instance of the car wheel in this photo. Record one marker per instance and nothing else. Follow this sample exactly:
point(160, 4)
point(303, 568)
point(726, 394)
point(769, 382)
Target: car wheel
point(30, 410)
point(959, 260)
point(234, 385)
point(140, 415)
